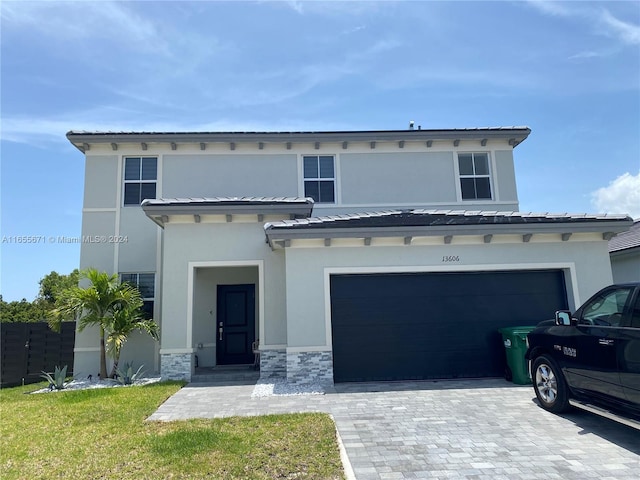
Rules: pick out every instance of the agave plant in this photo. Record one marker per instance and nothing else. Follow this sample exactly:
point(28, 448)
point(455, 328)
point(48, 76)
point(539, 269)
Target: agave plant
point(56, 382)
point(126, 375)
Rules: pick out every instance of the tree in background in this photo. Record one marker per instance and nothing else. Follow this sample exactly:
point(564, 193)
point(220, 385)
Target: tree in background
point(21, 311)
point(51, 285)
point(114, 307)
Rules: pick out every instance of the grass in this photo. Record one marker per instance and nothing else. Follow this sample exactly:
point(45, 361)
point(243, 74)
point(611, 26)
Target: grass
point(102, 434)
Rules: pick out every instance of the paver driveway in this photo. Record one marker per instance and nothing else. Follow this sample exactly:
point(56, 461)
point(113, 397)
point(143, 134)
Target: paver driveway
point(472, 429)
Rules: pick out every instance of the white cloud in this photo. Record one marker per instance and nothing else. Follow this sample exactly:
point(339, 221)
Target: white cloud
point(33, 130)
point(600, 18)
point(587, 54)
point(412, 76)
point(549, 7)
point(116, 21)
point(627, 32)
point(353, 30)
point(335, 7)
point(296, 6)
point(622, 195)
point(45, 132)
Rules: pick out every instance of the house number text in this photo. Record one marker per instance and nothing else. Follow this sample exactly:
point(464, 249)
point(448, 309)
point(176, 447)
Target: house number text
point(450, 258)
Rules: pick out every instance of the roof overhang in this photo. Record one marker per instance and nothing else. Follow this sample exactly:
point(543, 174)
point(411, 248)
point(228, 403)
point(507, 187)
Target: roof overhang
point(628, 241)
point(512, 135)
point(446, 224)
point(627, 252)
point(160, 210)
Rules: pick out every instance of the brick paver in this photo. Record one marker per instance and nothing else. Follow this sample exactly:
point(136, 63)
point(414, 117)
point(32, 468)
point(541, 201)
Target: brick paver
point(475, 429)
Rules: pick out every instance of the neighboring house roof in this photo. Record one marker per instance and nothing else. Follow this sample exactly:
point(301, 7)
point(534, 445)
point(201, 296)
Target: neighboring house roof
point(626, 240)
point(83, 139)
point(420, 222)
point(159, 209)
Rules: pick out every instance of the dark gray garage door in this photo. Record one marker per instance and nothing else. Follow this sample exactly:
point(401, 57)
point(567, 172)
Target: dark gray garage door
point(434, 325)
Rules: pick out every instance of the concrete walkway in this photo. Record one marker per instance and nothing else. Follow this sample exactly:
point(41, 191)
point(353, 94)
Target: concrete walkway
point(475, 429)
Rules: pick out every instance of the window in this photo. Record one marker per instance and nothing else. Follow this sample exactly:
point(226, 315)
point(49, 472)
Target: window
point(145, 283)
point(319, 178)
point(140, 175)
point(606, 309)
point(635, 314)
point(475, 181)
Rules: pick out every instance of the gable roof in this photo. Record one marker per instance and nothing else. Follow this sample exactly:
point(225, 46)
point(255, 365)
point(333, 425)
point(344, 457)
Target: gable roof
point(421, 222)
point(626, 240)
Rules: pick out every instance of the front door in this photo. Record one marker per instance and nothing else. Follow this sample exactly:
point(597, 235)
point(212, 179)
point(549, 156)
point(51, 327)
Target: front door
point(235, 326)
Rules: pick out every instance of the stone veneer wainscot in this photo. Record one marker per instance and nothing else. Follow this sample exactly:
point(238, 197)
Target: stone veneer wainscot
point(310, 367)
point(273, 364)
point(176, 366)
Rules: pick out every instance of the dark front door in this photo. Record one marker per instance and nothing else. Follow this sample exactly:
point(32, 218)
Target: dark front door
point(235, 328)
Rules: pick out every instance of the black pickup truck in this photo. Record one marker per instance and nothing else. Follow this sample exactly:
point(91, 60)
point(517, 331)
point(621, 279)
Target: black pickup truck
point(591, 359)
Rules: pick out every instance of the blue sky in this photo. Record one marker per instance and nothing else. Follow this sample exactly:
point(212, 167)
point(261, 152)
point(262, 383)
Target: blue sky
point(568, 70)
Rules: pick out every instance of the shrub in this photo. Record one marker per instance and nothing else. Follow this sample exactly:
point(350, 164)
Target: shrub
point(56, 382)
point(126, 375)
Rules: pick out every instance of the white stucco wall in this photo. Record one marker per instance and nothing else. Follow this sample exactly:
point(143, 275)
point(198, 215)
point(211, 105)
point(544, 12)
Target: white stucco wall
point(386, 177)
point(230, 175)
point(101, 174)
point(190, 247)
point(585, 263)
point(625, 266)
point(140, 349)
point(137, 242)
point(505, 177)
point(397, 178)
point(99, 254)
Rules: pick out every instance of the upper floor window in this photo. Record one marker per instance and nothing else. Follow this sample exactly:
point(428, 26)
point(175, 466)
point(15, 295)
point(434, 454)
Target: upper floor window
point(140, 175)
point(146, 285)
point(319, 178)
point(475, 179)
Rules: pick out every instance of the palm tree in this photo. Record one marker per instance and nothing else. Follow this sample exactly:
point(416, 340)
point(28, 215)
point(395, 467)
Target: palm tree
point(126, 319)
point(104, 303)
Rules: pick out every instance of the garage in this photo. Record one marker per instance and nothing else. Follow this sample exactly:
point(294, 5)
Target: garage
point(410, 326)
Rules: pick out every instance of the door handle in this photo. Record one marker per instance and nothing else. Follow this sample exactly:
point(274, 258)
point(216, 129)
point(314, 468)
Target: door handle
point(220, 331)
point(605, 341)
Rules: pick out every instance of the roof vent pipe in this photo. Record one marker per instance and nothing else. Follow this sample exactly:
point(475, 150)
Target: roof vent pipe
point(411, 125)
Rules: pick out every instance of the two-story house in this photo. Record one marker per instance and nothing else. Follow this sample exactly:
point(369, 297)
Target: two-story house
point(352, 255)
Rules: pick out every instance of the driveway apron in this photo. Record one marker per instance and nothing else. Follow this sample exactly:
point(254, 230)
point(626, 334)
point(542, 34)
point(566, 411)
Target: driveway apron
point(475, 429)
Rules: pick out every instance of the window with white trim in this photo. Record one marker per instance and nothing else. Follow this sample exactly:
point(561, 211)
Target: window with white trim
point(146, 285)
point(319, 178)
point(140, 175)
point(475, 178)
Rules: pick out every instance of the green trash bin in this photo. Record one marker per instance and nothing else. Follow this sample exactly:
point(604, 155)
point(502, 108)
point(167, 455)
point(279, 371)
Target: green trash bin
point(515, 345)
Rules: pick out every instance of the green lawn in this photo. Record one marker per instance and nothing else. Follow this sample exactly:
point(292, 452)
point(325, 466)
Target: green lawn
point(102, 433)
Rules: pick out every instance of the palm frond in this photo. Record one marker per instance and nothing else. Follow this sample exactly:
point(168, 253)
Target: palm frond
point(116, 308)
